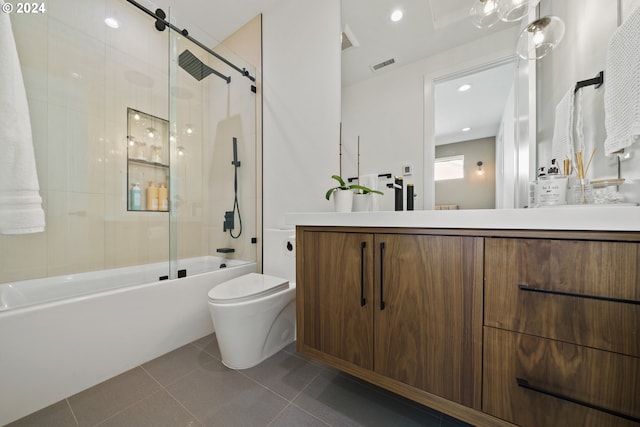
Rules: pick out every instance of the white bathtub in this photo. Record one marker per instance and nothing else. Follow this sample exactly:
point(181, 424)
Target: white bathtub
point(61, 335)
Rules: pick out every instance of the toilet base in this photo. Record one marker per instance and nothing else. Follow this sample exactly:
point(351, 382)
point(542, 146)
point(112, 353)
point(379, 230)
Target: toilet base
point(251, 332)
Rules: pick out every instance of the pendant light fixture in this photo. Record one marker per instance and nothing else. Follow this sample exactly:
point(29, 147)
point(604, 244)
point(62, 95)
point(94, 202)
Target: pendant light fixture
point(514, 10)
point(484, 13)
point(540, 37)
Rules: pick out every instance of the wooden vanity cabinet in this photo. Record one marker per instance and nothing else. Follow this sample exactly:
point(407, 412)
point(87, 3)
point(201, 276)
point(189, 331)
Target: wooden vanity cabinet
point(495, 327)
point(562, 332)
point(405, 306)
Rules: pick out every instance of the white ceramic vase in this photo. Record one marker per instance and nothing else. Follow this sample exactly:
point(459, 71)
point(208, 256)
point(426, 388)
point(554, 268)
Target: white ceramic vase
point(343, 200)
point(361, 202)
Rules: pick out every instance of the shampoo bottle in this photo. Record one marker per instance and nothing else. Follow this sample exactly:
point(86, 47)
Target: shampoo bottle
point(163, 198)
point(152, 197)
point(135, 198)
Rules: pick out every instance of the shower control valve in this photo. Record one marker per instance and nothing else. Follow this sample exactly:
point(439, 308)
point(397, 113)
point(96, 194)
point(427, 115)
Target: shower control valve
point(228, 221)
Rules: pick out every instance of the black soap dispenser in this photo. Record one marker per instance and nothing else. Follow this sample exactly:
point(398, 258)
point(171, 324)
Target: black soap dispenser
point(410, 196)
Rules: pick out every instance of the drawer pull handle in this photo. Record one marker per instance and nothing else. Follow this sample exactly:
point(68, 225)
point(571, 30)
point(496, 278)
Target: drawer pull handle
point(381, 276)
point(363, 300)
point(525, 384)
point(573, 294)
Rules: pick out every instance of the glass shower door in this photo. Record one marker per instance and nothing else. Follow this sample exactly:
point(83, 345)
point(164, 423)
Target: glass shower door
point(213, 181)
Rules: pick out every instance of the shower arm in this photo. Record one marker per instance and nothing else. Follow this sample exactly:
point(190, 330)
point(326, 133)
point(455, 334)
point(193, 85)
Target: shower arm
point(160, 24)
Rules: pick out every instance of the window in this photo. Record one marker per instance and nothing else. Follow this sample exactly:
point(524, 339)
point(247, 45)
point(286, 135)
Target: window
point(449, 168)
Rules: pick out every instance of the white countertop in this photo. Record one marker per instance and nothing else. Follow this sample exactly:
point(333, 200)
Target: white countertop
point(591, 217)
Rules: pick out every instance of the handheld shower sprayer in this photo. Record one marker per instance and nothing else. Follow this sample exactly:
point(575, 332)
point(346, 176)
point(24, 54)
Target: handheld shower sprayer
point(229, 215)
point(235, 161)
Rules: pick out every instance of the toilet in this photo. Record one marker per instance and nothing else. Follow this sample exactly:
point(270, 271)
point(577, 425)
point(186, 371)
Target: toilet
point(254, 316)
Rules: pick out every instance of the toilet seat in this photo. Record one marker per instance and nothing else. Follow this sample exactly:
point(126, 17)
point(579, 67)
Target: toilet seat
point(248, 287)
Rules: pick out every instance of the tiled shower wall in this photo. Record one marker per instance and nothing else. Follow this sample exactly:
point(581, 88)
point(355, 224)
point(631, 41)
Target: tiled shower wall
point(80, 77)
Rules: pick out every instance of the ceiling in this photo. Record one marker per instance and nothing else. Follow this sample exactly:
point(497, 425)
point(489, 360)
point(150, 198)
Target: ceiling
point(429, 27)
point(479, 109)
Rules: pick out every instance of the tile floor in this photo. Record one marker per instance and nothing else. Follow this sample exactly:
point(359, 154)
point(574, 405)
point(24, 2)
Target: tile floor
point(191, 387)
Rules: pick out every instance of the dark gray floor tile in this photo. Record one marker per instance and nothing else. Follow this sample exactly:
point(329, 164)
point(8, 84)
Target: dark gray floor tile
point(388, 394)
point(291, 348)
point(106, 399)
point(284, 373)
point(448, 421)
point(57, 415)
point(219, 396)
point(210, 345)
point(292, 416)
point(157, 410)
point(340, 401)
point(172, 366)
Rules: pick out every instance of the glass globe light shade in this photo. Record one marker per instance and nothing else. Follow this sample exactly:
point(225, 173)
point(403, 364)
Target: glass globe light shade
point(514, 10)
point(540, 37)
point(484, 13)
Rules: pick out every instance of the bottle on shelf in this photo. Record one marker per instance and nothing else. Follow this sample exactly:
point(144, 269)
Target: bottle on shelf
point(163, 198)
point(135, 198)
point(152, 197)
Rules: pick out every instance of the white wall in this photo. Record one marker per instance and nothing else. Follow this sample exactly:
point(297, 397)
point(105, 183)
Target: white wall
point(393, 114)
point(301, 72)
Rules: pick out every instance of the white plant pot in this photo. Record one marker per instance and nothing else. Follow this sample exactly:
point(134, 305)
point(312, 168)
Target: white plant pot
point(361, 202)
point(343, 200)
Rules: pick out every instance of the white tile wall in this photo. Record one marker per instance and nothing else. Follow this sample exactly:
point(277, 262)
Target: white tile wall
point(80, 77)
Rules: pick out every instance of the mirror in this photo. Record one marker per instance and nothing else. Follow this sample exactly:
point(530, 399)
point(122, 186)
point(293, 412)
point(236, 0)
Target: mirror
point(473, 121)
point(579, 58)
point(391, 108)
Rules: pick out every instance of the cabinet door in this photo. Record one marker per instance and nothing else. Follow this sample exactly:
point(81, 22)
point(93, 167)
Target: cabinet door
point(336, 293)
point(428, 320)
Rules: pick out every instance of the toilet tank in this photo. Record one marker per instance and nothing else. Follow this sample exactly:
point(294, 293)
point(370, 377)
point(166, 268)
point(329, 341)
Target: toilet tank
point(279, 253)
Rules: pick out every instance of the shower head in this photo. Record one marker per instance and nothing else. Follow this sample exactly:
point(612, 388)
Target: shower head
point(192, 65)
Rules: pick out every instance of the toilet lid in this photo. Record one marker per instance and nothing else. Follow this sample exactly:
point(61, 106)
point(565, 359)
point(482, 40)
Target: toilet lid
point(249, 286)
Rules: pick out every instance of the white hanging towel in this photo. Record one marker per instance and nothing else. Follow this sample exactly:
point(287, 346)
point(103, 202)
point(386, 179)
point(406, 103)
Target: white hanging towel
point(562, 142)
point(371, 181)
point(20, 202)
point(622, 86)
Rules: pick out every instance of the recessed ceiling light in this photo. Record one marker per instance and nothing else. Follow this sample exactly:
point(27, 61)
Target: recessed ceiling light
point(466, 129)
point(396, 15)
point(112, 22)
point(465, 87)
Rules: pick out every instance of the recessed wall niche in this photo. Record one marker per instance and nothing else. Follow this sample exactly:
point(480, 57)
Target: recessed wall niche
point(147, 162)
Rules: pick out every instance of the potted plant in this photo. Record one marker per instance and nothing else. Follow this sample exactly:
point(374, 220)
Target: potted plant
point(343, 194)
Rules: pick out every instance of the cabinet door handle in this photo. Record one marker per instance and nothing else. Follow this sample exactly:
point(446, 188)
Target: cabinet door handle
point(527, 288)
point(382, 276)
point(525, 384)
point(363, 300)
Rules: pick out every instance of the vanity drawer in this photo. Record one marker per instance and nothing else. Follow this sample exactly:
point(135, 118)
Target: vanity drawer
point(532, 381)
point(583, 292)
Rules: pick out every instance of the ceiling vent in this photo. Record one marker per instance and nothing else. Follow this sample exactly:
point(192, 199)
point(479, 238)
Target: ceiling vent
point(382, 64)
point(348, 39)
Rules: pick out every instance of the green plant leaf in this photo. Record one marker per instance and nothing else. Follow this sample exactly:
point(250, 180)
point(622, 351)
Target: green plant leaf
point(331, 190)
point(339, 179)
point(365, 190)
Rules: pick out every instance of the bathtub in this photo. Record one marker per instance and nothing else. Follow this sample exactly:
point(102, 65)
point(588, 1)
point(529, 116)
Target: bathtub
point(61, 335)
